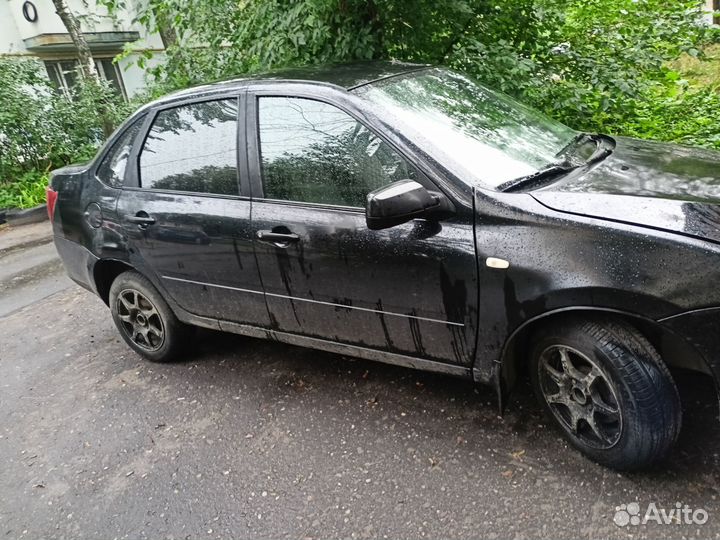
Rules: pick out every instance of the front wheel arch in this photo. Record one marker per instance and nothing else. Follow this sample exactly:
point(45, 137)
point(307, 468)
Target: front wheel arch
point(673, 348)
point(607, 390)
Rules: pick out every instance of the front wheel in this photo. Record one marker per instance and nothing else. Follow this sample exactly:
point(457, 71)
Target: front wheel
point(144, 319)
point(608, 391)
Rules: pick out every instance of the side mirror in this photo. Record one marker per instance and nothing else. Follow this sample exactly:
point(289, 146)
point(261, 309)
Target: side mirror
point(403, 201)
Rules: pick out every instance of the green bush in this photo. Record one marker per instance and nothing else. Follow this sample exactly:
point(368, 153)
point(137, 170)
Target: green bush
point(27, 191)
point(41, 129)
point(588, 63)
point(691, 117)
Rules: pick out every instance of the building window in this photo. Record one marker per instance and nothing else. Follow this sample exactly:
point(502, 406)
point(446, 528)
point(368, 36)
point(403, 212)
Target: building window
point(716, 9)
point(63, 74)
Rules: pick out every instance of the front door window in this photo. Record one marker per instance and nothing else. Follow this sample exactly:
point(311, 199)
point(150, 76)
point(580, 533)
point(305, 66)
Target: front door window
point(313, 152)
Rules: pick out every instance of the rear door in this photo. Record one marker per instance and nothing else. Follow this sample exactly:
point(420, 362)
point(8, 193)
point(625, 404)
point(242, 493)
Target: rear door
point(410, 290)
point(186, 215)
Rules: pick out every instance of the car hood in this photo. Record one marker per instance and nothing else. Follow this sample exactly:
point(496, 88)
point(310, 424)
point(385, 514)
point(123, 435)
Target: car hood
point(658, 185)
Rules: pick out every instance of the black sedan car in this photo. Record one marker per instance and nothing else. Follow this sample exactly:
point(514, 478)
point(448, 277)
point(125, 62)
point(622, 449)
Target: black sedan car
point(408, 214)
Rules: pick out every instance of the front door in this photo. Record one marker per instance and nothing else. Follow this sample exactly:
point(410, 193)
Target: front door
point(186, 221)
point(411, 289)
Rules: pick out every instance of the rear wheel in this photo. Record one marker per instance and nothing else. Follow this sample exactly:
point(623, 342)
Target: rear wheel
point(608, 391)
point(144, 319)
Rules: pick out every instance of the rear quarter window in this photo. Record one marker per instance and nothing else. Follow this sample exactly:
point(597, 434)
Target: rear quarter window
point(114, 165)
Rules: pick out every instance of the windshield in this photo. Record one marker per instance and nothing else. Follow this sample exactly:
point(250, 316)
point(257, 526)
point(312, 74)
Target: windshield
point(478, 134)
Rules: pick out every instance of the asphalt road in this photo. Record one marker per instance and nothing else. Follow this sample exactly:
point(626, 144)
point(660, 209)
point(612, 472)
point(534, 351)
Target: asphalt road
point(247, 438)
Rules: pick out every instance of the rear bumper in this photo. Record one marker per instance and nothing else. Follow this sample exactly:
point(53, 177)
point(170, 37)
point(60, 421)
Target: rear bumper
point(79, 262)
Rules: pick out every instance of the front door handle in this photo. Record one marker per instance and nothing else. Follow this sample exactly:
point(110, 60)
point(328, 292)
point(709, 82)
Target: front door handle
point(282, 239)
point(142, 219)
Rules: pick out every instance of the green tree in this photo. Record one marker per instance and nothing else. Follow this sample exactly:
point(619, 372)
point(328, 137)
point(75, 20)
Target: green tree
point(85, 62)
point(593, 64)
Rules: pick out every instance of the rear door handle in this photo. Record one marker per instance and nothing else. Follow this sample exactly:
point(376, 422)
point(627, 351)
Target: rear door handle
point(277, 238)
point(142, 219)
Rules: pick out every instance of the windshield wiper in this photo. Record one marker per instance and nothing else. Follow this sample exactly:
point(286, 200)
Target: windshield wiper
point(547, 173)
point(603, 148)
point(575, 142)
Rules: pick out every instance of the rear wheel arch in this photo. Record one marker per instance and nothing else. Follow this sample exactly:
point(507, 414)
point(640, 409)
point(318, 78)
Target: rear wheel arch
point(105, 272)
point(145, 320)
point(675, 351)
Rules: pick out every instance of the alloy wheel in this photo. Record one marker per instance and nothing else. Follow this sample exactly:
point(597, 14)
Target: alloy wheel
point(580, 396)
point(140, 320)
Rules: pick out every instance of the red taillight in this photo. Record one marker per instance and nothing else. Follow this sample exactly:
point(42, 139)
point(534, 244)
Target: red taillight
point(51, 200)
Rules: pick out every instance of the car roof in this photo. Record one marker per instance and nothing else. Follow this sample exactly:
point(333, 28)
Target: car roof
point(345, 76)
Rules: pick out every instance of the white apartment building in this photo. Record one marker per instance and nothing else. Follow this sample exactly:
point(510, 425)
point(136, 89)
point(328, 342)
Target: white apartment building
point(32, 28)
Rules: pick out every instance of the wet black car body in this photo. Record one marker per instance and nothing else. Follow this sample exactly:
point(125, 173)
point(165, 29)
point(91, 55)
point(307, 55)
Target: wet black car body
point(631, 234)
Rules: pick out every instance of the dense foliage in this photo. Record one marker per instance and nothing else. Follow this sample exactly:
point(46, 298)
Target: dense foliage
point(41, 129)
point(598, 65)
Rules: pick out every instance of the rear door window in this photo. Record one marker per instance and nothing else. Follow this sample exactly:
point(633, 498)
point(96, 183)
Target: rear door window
point(193, 148)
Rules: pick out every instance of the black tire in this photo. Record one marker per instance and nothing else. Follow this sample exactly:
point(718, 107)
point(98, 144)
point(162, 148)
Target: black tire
point(631, 399)
point(149, 327)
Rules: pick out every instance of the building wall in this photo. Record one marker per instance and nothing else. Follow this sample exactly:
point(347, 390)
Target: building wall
point(14, 29)
point(10, 40)
point(711, 6)
point(134, 78)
